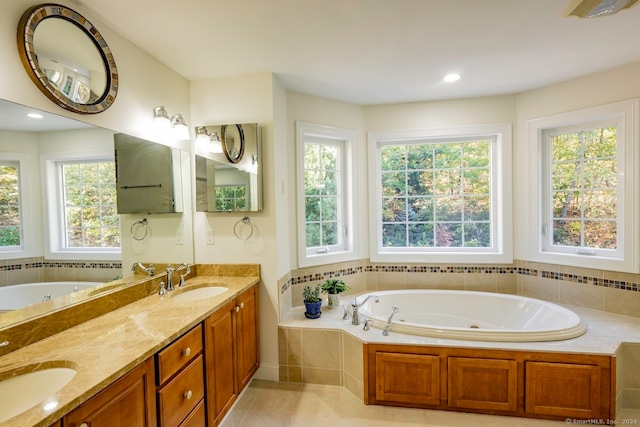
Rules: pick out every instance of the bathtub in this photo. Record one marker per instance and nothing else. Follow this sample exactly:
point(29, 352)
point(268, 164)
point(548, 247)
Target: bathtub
point(13, 297)
point(469, 315)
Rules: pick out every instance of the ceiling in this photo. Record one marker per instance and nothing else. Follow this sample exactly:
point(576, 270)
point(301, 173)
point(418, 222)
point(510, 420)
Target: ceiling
point(378, 51)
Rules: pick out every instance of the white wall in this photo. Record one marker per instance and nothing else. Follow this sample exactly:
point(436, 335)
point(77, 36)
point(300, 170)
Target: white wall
point(244, 99)
point(597, 89)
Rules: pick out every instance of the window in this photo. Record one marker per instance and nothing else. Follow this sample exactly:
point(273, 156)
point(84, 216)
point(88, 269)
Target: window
point(231, 197)
point(325, 202)
point(441, 195)
point(83, 219)
point(14, 212)
point(586, 185)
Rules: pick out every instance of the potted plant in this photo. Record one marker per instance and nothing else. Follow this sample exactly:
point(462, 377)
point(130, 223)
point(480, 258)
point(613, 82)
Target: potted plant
point(333, 287)
point(312, 301)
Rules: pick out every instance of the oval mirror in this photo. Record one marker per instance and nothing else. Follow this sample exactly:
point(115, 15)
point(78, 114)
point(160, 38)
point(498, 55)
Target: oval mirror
point(232, 139)
point(67, 58)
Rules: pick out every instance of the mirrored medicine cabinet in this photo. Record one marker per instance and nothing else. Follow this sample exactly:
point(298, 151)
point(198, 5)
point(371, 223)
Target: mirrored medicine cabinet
point(228, 169)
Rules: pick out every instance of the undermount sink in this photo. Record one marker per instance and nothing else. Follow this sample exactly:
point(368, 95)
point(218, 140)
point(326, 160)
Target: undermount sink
point(24, 388)
point(196, 293)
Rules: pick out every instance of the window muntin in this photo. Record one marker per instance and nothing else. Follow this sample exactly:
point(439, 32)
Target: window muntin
point(90, 217)
point(436, 194)
point(231, 198)
point(582, 210)
point(10, 206)
point(326, 201)
point(441, 195)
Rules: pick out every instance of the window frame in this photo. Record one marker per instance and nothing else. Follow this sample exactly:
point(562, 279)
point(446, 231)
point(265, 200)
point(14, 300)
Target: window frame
point(54, 216)
point(624, 114)
point(501, 250)
point(348, 138)
point(25, 249)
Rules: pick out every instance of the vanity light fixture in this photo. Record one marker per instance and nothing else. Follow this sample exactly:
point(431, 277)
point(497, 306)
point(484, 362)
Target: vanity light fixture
point(597, 8)
point(210, 140)
point(161, 119)
point(180, 128)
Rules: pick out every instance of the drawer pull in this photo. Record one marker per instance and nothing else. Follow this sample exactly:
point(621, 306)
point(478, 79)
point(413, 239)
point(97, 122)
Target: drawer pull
point(187, 351)
point(84, 425)
point(241, 305)
point(187, 395)
point(237, 308)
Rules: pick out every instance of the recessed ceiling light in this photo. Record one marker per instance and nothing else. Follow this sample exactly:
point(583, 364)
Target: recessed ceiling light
point(453, 77)
point(35, 116)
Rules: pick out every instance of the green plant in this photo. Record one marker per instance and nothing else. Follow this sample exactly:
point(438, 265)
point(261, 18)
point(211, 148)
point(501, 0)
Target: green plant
point(311, 294)
point(334, 286)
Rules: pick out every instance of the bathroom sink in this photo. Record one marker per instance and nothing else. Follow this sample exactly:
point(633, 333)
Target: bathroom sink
point(195, 293)
point(25, 388)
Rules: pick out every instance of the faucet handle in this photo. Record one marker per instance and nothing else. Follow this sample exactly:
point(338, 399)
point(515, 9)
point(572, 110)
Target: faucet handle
point(163, 289)
point(345, 314)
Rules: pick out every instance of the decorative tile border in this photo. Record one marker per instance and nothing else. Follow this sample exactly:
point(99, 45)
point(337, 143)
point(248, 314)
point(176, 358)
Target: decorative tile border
point(461, 269)
point(61, 264)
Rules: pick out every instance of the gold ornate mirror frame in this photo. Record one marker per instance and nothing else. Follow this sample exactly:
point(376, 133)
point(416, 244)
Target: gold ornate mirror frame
point(27, 27)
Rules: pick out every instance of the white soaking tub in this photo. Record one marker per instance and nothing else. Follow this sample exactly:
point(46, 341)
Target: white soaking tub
point(13, 297)
point(469, 315)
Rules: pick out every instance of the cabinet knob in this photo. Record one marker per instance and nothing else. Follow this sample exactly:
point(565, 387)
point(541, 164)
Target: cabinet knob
point(187, 351)
point(241, 305)
point(84, 425)
point(237, 308)
point(187, 395)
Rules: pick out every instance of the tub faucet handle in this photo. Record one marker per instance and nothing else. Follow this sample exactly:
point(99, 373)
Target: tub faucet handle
point(345, 314)
point(366, 325)
point(394, 310)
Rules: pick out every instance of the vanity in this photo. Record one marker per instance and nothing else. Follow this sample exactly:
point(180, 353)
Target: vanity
point(180, 359)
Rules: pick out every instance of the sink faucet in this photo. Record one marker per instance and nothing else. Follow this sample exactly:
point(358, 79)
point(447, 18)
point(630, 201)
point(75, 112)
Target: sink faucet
point(188, 270)
point(170, 270)
point(355, 318)
point(150, 270)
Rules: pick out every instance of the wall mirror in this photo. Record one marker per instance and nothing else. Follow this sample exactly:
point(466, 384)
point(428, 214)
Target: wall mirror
point(229, 174)
point(42, 137)
point(67, 58)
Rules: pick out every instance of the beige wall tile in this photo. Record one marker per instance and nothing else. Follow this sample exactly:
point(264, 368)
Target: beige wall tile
point(630, 362)
point(622, 302)
point(353, 358)
point(390, 280)
point(294, 347)
point(353, 385)
point(581, 294)
point(507, 283)
point(321, 376)
point(538, 287)
point(282, 346)
point(295, 374)
point(484, 282)
point(321, 349)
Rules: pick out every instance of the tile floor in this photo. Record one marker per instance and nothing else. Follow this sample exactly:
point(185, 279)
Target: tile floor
point(282, 404)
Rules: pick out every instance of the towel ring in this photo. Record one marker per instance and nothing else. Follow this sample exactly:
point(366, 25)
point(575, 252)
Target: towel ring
point(245, 221)
point(144, 224)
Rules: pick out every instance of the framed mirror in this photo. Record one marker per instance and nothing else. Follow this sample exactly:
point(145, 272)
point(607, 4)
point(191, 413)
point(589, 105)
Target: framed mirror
point(228, 176)
point(67, 58)
point(232, 140)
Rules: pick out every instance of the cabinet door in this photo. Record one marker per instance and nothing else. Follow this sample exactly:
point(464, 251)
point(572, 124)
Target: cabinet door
point(489, 384)
point(220, 355)
point(247, 336)
point(408, 378)
point(568, 390)
point(128, 402)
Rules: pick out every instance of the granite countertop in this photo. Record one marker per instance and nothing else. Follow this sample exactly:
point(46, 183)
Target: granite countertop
point(103, 349)
point(605, 332)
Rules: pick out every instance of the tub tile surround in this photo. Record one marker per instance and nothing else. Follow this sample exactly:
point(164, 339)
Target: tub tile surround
point(30, 270)
point(608, 301)
point(103, 348)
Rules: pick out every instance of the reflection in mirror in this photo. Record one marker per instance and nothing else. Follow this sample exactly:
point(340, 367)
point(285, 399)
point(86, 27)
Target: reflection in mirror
point(67, 58)
point(36, 140)
point(225, 186)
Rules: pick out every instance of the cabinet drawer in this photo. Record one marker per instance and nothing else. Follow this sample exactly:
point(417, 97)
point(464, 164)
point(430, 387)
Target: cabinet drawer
point(178, 354)
point(196, 417)
point(181, 394)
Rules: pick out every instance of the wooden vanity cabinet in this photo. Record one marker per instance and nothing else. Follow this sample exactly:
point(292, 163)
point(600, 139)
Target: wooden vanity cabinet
point(519, 383)
point(180, 381)
point(231, 352)
point(128, 402)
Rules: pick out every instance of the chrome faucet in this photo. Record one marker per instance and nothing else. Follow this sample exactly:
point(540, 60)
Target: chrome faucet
point(188, 270)
point(394, 310)
point(170, 271)
point(150, 270)
point(355, 318)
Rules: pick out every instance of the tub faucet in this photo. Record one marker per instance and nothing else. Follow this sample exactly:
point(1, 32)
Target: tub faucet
point(394, 310)
point(150, 270)
point(188, 270)
point(355, 318)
